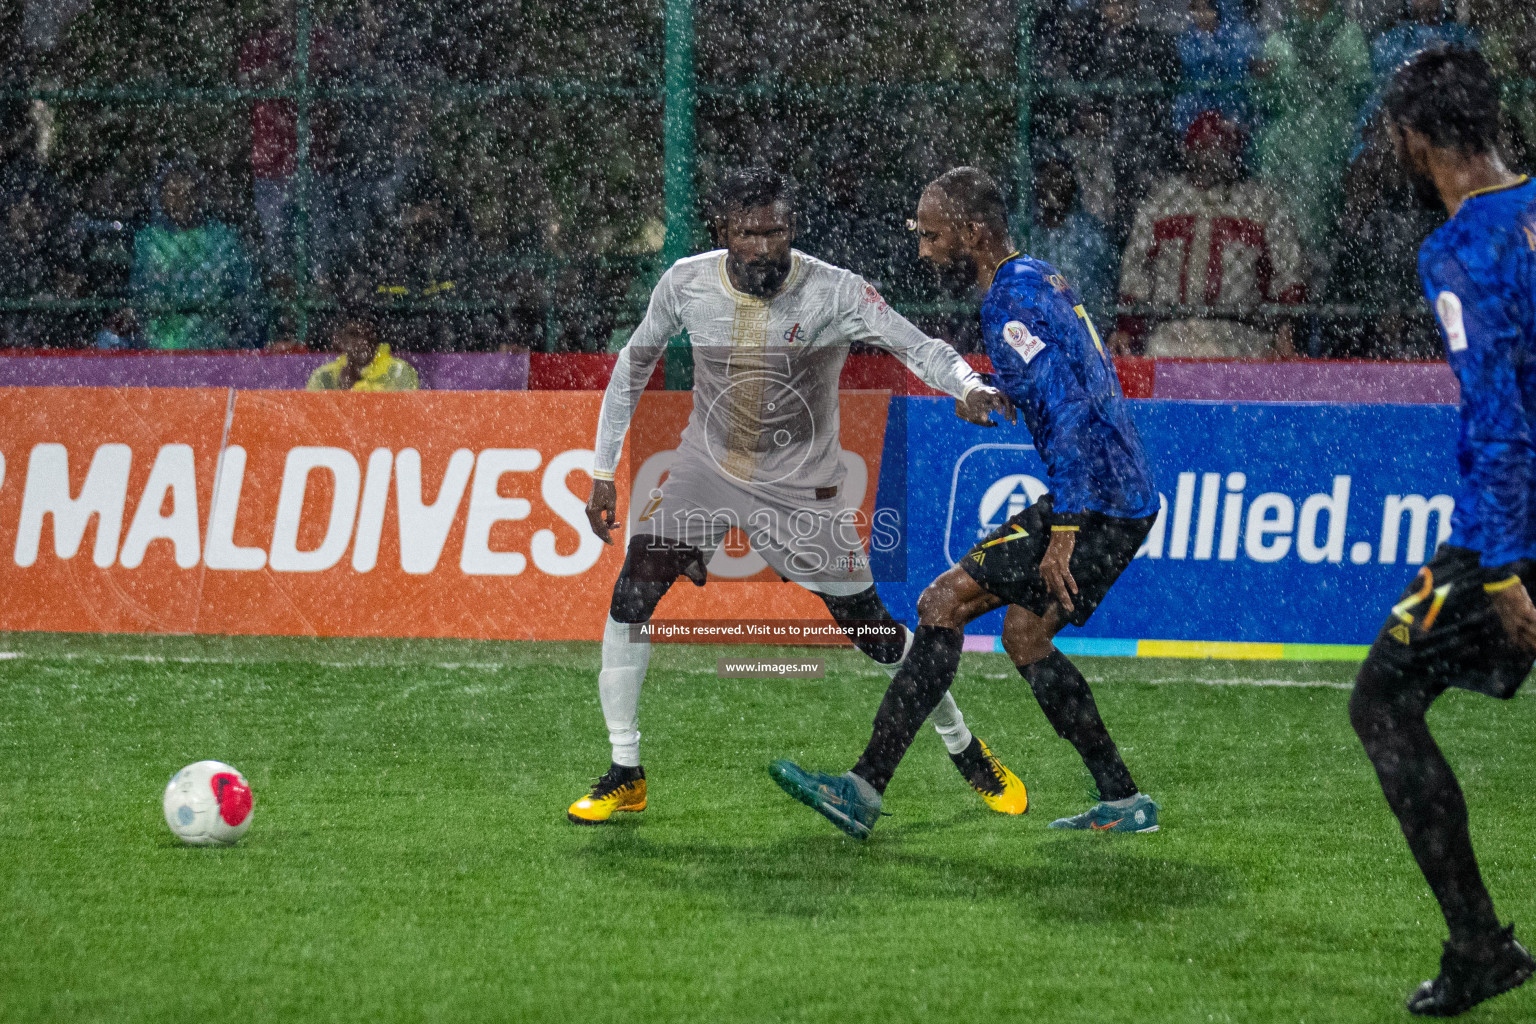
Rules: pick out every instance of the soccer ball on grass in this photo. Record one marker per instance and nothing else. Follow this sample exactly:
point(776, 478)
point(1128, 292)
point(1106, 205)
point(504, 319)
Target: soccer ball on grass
point(208, 804)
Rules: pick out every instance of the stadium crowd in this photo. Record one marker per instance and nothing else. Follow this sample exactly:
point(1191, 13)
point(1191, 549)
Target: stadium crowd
point(1213, 176)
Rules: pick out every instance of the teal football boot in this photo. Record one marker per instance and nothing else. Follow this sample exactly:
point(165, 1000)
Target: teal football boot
point(1140, 816)
point(837, 797)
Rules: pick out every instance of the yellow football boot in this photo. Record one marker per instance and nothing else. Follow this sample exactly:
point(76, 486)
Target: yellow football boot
point(1000, 789)
point(620, 789)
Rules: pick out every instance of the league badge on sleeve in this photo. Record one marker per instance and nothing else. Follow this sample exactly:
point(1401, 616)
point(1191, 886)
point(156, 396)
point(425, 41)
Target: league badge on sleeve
point(1449, 308)
point(1022, 341)
point(872, 297)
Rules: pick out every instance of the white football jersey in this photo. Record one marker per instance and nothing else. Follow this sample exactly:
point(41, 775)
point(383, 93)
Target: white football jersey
point(765, 371)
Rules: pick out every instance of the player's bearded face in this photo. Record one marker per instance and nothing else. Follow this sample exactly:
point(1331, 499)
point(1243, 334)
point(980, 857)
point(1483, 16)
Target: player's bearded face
point(939, 243)
point(758, 243)
point(762, 275)
point(958, 276)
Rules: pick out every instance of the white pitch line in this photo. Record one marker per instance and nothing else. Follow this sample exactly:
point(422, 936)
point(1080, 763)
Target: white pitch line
point(1225, 681)
point(494, 666)
point(1233, 681)
point(156, 659)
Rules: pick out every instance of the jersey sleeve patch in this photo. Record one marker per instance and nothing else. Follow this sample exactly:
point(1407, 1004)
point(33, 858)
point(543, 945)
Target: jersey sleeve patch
point(1022, 341)
point(1448, 306)
point(871, 297)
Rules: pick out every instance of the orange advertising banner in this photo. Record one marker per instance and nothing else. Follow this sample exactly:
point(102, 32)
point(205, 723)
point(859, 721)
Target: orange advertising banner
point(446, 514)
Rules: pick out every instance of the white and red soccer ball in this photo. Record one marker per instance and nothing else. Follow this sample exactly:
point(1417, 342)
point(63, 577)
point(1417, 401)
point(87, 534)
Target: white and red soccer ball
point(208, 804)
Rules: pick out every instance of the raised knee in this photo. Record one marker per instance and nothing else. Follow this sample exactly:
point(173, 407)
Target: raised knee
point(633, 601)
point(936, 606)
point(1026, 643)
point(650, 567)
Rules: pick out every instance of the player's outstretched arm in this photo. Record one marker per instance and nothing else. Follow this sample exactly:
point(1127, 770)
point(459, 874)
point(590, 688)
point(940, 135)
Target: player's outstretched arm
point(631, 372)
point(868, 317)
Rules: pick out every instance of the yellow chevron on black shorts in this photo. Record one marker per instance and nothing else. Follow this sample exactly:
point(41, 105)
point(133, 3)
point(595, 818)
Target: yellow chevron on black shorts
point(1018, 532)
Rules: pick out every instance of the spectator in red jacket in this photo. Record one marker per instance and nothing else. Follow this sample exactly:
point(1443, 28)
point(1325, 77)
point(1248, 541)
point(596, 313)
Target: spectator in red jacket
point(1209, 247)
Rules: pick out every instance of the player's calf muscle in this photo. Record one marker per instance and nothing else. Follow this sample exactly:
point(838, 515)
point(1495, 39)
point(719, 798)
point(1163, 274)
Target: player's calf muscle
point(1027, 637)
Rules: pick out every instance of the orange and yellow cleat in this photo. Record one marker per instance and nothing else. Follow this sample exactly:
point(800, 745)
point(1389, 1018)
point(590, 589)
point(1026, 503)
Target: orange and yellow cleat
point(999, 788)
point(620, 789)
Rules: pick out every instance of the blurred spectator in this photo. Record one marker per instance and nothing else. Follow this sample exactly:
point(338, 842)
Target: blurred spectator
point(1091, 153)
point(43, 22)
point(1314, 75)
point(192, 277)
point(1073, 241)
point(267, 62)
point(1138, 126)
point(506, 270)
point(1420, 25)
point(22, 171)
point(1377, 258)
point(382, 135)
point(417, 268)
point(1509, 33)
point(589, 295)
point(103, 223)
point(1216, 240)
point(838, 223)
point(364, 362)
point(39, 253)
point(39, 260)
point(1215, 52)
point(1119, 145)
point(1104, 42)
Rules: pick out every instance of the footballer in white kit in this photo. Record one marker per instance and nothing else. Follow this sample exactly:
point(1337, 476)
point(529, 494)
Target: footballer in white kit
point(770, 328)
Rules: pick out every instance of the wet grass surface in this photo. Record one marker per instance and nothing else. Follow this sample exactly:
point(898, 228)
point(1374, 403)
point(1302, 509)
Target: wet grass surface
point(410, 860)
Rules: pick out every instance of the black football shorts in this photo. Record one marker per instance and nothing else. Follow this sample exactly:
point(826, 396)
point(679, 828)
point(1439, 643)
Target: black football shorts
point(1007, 561)
point(1445, 626)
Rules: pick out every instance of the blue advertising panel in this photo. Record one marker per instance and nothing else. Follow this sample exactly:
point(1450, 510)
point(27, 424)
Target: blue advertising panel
point(1280, 524)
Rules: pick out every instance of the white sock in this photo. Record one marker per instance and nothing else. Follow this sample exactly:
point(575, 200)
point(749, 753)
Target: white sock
point(947, 720)
point(949, 723)
point(618, 684)
point(1121, 805)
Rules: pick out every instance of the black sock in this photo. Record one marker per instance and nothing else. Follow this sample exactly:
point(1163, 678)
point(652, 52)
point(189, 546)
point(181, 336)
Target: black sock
point(624, 772)
point(1388, 712)
point(969, 759)
point(917, 689)
point(1068, 703)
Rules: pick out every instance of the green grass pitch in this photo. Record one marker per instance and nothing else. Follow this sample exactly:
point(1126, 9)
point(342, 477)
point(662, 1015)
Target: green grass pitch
point(410, 859)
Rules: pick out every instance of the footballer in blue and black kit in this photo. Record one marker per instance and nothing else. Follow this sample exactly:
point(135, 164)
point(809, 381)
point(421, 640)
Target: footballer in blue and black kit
point(1479, 274)
point(1466, 620)
point(1052, 563)
point(1048, 360)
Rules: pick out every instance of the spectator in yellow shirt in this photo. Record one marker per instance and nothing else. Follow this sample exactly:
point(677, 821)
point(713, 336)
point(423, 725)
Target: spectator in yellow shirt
point(363, 365)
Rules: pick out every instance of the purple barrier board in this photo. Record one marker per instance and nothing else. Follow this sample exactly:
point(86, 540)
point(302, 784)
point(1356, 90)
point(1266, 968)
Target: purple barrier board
point(1305, 381)
point(446, 371)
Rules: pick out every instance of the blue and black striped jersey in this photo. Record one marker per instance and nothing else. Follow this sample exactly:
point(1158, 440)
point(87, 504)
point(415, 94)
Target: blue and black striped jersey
point(1048, 359)
point(1479, 274)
